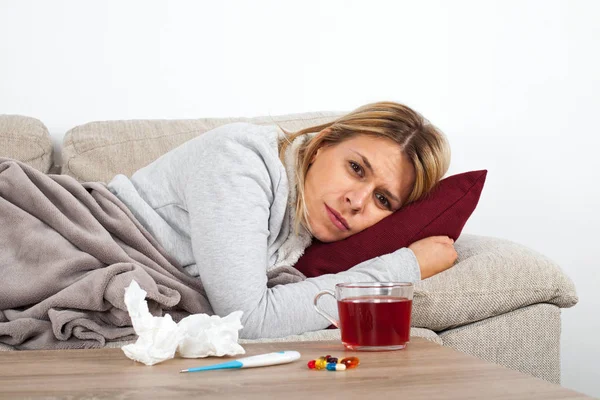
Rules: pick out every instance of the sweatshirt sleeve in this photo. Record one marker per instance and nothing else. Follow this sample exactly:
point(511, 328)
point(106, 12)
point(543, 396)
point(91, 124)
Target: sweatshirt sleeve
point(228, 199)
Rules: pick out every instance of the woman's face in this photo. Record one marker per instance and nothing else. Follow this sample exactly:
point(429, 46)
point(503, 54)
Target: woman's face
point(354, 184)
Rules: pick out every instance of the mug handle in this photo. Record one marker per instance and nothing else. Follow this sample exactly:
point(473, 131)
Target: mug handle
point(323, 313)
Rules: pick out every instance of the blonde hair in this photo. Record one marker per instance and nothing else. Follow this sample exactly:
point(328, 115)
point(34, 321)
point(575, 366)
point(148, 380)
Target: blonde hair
point(424, 145)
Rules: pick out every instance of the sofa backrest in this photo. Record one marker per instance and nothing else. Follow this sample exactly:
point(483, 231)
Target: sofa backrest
point(26, 139)
point(97, 151)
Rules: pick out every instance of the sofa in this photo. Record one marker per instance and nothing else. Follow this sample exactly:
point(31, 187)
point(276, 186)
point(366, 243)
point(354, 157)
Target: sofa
point(501, 302)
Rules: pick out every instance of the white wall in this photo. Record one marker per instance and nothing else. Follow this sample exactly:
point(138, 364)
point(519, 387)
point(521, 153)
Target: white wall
point(514, 84)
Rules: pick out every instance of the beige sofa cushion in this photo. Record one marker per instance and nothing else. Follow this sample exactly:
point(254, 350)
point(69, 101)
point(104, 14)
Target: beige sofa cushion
point(97, 151)
point(26, 139)
point(334, 334)
point(492, 277)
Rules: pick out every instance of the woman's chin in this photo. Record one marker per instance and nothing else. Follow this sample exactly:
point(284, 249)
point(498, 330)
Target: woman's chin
point(327, 237)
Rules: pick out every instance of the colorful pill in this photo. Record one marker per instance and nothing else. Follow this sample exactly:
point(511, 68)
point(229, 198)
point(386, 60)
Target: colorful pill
point(350, 362)
point(335, 367)
point(320, 363)
point(340, 367)
point(311, 364)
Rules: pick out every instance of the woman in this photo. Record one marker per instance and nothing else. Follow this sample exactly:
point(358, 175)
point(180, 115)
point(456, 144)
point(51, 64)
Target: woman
point(242, 199)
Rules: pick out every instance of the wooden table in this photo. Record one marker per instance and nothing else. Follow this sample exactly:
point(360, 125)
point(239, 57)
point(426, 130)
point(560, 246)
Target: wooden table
point(424, 370)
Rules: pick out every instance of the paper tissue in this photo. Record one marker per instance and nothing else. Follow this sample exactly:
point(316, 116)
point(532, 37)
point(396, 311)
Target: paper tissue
point(159, 338)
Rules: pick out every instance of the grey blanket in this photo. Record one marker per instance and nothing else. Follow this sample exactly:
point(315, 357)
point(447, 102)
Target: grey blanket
point(68, 251)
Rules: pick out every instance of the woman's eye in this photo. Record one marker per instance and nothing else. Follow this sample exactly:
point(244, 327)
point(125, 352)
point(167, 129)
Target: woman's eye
point(356, 167)
point(384, 201)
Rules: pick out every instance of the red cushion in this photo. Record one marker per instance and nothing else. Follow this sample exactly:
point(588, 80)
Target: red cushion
point(443, 212)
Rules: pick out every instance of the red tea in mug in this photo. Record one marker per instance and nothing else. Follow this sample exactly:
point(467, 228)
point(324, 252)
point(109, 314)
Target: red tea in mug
point(375, 320)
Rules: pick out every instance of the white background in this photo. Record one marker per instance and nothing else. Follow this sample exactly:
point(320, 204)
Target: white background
point(514, 84)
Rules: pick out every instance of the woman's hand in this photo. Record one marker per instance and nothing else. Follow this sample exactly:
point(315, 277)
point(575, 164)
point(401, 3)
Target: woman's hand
point(434, 254)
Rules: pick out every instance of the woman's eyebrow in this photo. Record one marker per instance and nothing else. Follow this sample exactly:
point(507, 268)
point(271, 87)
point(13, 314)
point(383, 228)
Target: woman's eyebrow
point(385, 191)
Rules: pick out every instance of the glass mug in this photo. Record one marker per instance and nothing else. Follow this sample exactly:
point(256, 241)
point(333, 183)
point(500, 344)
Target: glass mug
point(373, 315)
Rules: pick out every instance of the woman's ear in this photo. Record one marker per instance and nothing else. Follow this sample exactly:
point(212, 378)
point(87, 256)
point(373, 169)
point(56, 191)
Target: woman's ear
point(319, 135)
point(314, 157)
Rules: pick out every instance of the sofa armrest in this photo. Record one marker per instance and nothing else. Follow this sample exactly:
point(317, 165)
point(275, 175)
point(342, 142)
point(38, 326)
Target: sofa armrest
point(27, 140)
point(491, 277)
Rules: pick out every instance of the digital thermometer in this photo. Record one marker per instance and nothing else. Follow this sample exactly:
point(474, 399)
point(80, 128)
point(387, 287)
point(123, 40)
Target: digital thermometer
point(262, 360)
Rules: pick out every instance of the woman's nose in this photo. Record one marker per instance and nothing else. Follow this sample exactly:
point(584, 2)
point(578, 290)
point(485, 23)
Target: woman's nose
point(357, 198)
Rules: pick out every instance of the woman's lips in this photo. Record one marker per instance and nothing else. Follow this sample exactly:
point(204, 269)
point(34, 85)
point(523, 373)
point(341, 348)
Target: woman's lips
point(336, 219)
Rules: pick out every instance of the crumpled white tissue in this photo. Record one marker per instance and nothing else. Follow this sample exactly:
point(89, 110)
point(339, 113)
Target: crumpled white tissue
point(197, 335)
